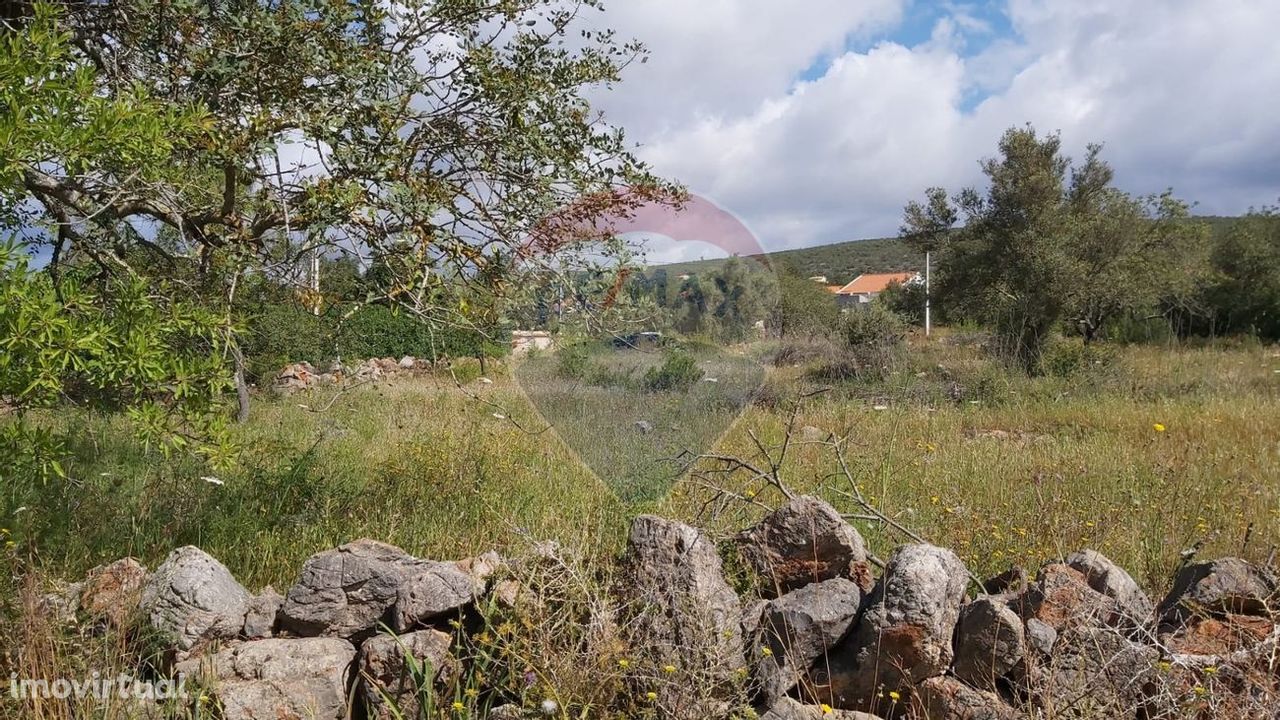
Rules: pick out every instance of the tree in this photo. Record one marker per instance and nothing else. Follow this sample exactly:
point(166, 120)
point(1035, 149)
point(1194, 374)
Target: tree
point(194, 148)
point(1050, 242)
point(434, 136)
point(803, 307)
point(1245, 293)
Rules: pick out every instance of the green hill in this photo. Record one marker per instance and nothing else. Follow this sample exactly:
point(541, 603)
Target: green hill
point(842, 262)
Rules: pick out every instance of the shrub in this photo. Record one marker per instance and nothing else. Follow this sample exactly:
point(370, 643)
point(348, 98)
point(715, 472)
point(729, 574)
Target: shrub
point(1072, 357)
point(872, 340)
point(678, 371)
point(572, 361)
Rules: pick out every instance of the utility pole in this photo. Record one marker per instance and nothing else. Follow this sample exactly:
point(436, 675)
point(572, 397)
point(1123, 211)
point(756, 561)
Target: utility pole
point(315, 281)
point(928, 325)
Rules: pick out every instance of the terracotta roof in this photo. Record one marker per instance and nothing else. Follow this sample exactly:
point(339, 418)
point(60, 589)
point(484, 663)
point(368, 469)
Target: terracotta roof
point(875, 283)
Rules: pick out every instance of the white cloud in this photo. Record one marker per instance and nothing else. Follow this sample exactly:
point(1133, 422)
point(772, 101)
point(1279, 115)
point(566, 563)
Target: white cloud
point(1183, 94)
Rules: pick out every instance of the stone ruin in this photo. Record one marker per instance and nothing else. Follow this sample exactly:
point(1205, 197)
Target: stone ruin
point(818, 634)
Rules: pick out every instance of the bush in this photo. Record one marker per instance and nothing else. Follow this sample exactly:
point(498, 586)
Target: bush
point(873, 341)
point(678, 371)
point(1072, 357)
point(572, 361)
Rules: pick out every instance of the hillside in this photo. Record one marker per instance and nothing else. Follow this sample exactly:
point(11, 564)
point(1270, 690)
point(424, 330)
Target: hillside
point(844, 261)
point(840, 262)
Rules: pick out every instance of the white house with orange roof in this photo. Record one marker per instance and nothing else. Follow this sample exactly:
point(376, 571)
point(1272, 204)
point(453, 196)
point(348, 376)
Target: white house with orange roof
point(865, 288)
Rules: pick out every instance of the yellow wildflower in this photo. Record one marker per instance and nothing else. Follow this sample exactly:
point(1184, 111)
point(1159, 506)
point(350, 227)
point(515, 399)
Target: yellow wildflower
point(668, 669)
point(894, 696)
point(766, 652)
point(624, 663)
point(457, 705)
point(1158, 427)
point(826, 709)
point(651, 696)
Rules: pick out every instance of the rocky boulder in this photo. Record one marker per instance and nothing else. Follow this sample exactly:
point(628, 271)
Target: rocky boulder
point(435, 590)
point(112, 592)
point(946, 698)
point(906, 630)
point(681, 612)
point(387, 674)
point(802, 542)
point(193, 598)
point(1133, 607)
point(791, 709)
point(279, 678)
point(1094, 672)
point(990, 641)
point(799, 630)
point(261, 614)
point(1061, 597)
point(348, 591)
point(1217, 588)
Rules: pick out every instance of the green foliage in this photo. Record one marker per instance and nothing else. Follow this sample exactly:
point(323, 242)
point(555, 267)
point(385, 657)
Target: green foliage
point(872, 343)
point(286, 332)
point(1071, 357)
point(803, 308)
point(838, 262)
point(1244, 295)
point(679, 371)
point(725, 303)
point(130, 348)
point(1051, 242)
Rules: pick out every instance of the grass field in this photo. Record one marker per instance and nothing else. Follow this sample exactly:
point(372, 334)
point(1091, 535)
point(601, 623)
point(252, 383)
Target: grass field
point(1001, 467)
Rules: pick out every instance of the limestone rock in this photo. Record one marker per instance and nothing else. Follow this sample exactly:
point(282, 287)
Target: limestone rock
point(194, 598)
point(260, 614)
point(113, 591)
point(1218, 587)
point(433, 591)
point(280, 678)
point(800, 629)
point(990, 641)
point(802, 542)
point(1061, 597)
point(1133, 606)
point(682, 612)
point(906, 630)
point(791, 709)
point(386, 672)
point(347, 591)
point(946, 698)
point(1094, 672)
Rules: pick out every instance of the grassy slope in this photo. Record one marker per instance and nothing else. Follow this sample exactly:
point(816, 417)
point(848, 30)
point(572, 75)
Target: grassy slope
point(844, 261)
point(419, 464)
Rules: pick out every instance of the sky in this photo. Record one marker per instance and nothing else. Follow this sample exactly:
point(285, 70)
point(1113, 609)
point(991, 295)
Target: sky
point(815, 121)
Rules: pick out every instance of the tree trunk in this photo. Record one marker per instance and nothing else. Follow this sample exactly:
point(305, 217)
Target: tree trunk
point(242, 389)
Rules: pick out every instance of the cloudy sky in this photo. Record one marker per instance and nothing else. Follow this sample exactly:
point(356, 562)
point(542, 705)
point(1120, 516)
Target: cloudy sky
point(814, 121)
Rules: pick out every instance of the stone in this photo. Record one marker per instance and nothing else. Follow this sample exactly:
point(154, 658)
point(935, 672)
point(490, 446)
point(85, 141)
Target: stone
point(1040, 637)
point(349, 590)
point(792, 709)
point(681, 612)
point(1133, 607)
point(644, 427)
point(261, 613)
point(194, 599)
point(947, 698)
point(906, 630)
point(800, 629)
point(1219, 636)
point(506, 712)
point(802, 542)
point(112, 592)
point(1219, 587)
point(386, 673)
point(435, 590)
point(989, 642)
point(1061, 597)
point(1094, 672)
point(811, 434)
point(279, 678)
point(406, 363)
point(62, 603)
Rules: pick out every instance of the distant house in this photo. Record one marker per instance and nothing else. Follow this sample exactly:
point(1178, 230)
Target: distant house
point(865, 288)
